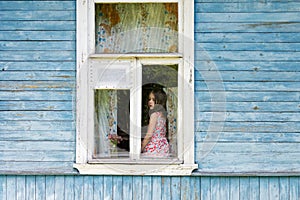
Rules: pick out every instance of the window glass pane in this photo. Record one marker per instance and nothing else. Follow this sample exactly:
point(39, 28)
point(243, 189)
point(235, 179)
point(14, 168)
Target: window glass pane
point(136, 27)
point(161, 82)
point(111, 123)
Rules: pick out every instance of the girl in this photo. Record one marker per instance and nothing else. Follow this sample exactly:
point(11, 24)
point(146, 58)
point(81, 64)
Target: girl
point(155, 142)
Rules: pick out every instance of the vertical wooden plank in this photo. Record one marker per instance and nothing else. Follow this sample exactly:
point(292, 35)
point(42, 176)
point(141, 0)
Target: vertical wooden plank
point(175, 187)
point(294, 188)
point(117, 187)
point(244, 188)
point(234, 188)
point(137, 188)
point(185, 189)
point(274, 188)
point(215, 188)
point(78, 187)
point(127, 187)
point(3, 186)
point(108, 189)
point(59, 187)
point(205, 188)
point(224, 187)
point(40, 191)
point(264, 188)
point(147, 188)
point(11, 187)
point(284, 186)
point(196, 187)
point(50, 188)
point(30, 187)
point(21, 187)
point(165, 187)
point(254, 188)
point(69, 188)
point(156, 188)
point(98, 187)
point(88, 187)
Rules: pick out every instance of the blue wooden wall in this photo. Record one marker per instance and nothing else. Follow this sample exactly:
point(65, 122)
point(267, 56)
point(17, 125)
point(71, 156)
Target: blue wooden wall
point(148, 187)
point(247, 105)
point(247, 86)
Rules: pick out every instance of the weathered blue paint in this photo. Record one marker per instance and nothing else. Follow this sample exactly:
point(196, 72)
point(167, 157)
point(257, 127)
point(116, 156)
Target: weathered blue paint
point(136, 187)
point(251, 48)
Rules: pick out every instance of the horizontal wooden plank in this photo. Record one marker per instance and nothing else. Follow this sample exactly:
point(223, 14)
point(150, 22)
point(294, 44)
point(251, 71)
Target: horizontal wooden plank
point(248, 76)
point(37, 65)
point(37, 115)
point(273, 47)
point(33, 135)
point(246, 7)
point(255, 163)
point(37, 25)
point(248, 116)
point(38, 15)
point(248, 17)
point(229, 96)
point(36, 85)
point(246, 86)
point(37, 95)
point(37, 145)
point(243, 137)
point(38, 55)
point(37, 126)
point(248, 127)
point(68, 76)
point(278, 66)
point(34, 46)
point(37, 156)
point(37, 5)
point(36, 168)
point(252, 148)
point(247, 107)
point(247, 37)
point(248, 56)
point(246, 27)
point(37, 35)
point(37, 105)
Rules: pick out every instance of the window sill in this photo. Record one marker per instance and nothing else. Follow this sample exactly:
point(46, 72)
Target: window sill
point(136, 55)
point(136, 169)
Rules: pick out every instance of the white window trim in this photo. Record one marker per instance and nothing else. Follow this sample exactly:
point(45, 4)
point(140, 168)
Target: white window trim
point(86, 51)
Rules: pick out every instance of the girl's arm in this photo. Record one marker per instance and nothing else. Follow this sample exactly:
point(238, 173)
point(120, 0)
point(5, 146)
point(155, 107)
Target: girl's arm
point(150, 130)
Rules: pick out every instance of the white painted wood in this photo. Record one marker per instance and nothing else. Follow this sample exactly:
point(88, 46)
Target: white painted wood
point(184, 59)
point(136, 169)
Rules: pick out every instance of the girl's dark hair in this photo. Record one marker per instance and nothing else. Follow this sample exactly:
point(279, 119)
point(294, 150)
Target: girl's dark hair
point(160, 97)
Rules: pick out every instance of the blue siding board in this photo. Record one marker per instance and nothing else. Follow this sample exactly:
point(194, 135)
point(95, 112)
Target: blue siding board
point(252, 48)
point(37, 66)
point(218, 66)
point(20, 188)
point(40, 192)
point(146, 188)
point(157, 189)
point(36, 26)
point(137, 188)
point(177, 186)
point(38, 35)
point(37, 5)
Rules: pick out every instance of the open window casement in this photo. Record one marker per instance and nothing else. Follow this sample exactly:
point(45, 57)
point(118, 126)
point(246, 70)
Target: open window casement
point(124, 50)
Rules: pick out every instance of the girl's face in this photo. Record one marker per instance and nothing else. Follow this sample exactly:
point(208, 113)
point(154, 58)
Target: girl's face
point(151, 101)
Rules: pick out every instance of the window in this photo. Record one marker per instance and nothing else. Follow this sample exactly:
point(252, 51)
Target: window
point(126, 50)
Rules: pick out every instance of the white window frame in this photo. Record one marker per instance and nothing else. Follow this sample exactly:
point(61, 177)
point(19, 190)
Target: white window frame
point(184, 164)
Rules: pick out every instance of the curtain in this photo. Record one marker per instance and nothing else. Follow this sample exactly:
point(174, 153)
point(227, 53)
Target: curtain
point(136, 28)
point(105, 120)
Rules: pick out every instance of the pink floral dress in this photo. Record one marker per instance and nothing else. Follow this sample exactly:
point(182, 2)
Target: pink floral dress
point(158, 145)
